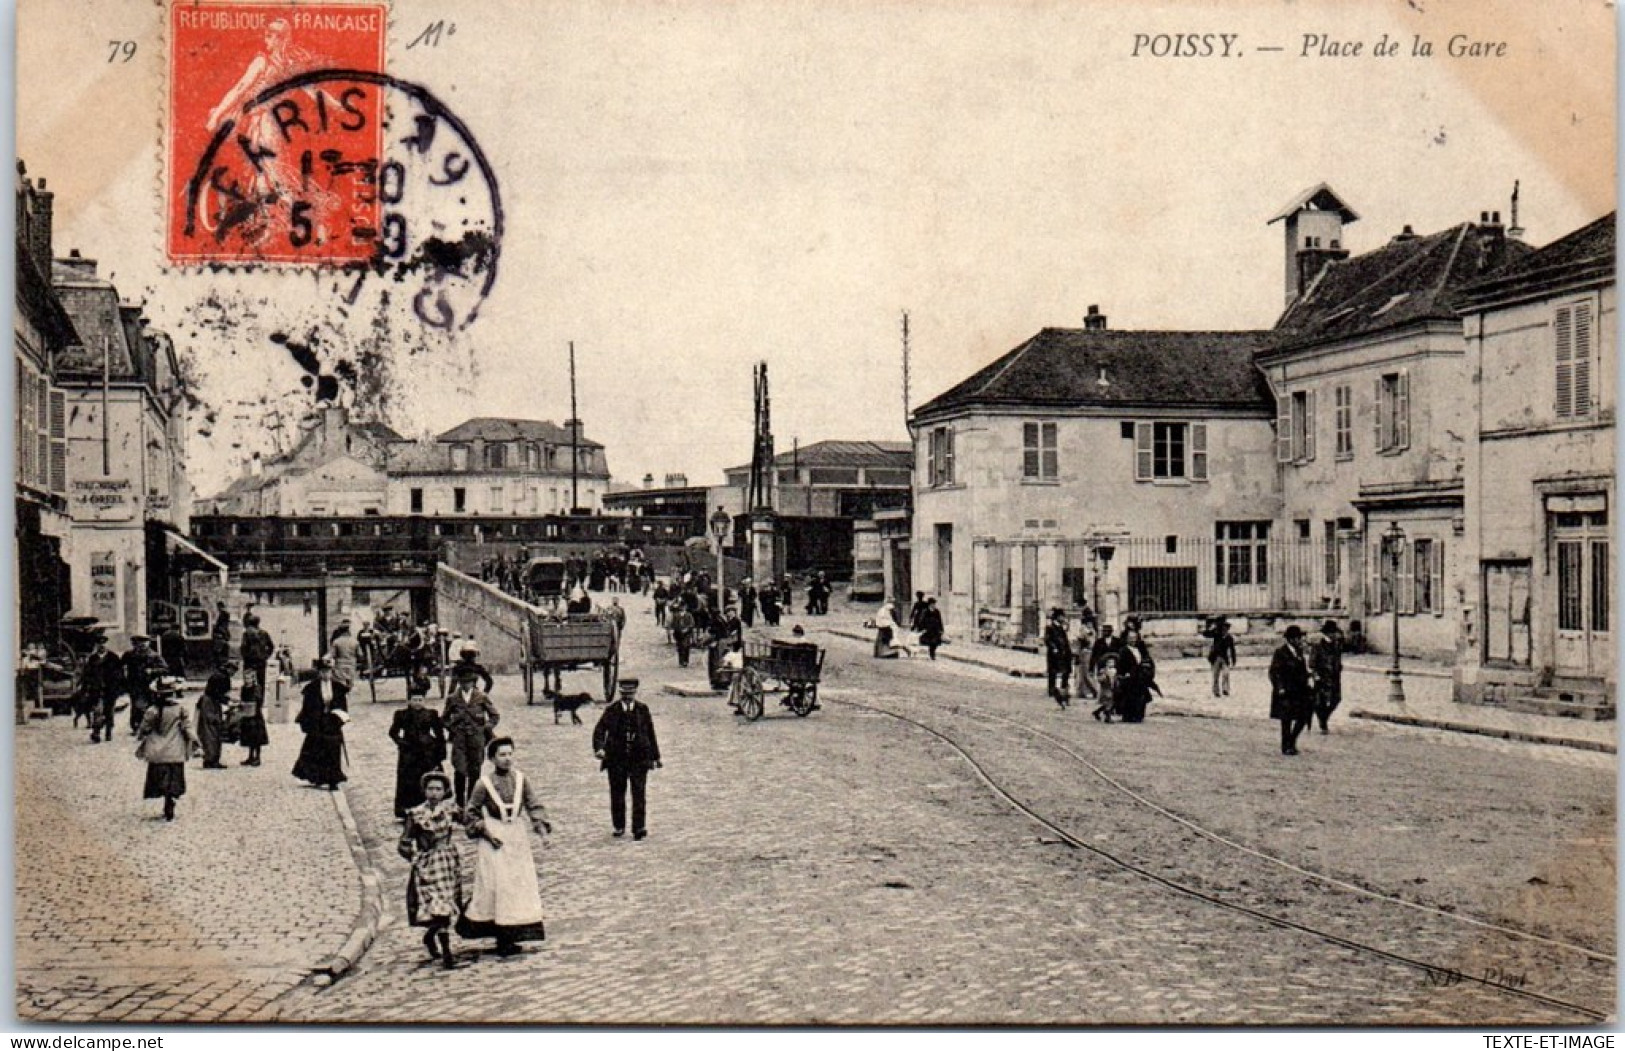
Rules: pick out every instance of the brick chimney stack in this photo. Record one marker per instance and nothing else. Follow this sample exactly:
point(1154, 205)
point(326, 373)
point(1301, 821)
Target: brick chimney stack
point(1094, 321)
point(35, 218)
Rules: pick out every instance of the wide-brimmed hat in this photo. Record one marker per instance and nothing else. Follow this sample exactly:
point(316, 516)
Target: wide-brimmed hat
point(629, 686)
point(140, 638)
point(1330, 628)
point(1293, 632)
point(436, 775)
point(469, 646)
point(322, 662)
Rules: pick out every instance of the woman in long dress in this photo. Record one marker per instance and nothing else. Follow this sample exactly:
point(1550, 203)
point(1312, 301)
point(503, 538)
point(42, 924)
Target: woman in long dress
point(167, 741)
point(420, 746)
point(322, 716)
point(503, 811)
point(434, 889)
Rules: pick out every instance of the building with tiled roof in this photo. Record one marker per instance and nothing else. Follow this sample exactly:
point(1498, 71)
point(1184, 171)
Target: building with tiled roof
point(1076, 438)
point(1366, 365)
point(1538, 558)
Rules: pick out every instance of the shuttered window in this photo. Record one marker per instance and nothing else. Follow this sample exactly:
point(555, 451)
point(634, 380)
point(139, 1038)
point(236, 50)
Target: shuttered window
point(1142, 452)
point(59, 443)
point(1170, 451)
point(1393, 416)
point(1573, 330)
point(1344, 397)
point(1198, 452)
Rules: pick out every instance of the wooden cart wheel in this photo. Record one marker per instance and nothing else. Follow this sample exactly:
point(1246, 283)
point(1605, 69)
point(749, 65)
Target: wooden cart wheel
point(612, 675)
point(750, 694)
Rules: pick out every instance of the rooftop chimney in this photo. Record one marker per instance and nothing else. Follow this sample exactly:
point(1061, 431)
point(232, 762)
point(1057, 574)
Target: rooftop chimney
point(676, 481)
point(79, 264)
point(1406, 234)
point(1094, 321)
point(1314, 236)
point(648, 481)
point(1513, 229)
point(35, 222)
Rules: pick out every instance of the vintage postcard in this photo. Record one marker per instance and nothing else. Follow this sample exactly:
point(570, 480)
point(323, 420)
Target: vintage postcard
point(788, 512)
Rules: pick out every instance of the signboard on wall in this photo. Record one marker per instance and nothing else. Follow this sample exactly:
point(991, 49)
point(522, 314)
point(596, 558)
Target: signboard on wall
point(101, 499)
point(104, 603)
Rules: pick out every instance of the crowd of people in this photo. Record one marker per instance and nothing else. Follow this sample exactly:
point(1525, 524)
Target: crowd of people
point(485, 796)
point(622, 569)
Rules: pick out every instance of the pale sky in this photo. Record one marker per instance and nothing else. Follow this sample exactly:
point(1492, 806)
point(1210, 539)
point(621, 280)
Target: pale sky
point(691, 187)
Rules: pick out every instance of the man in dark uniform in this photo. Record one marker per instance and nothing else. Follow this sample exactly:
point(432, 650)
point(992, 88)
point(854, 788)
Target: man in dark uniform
point(624, 742)
point(257, 650)
point(141, 666)
point(1291, 696)
point(103, 682)
point(1058, 658)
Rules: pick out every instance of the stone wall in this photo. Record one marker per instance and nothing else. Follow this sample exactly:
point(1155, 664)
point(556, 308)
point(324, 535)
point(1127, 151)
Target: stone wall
point(472, 608)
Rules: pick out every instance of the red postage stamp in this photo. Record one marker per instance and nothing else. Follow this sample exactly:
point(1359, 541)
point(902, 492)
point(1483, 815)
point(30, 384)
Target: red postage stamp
point(274, 132)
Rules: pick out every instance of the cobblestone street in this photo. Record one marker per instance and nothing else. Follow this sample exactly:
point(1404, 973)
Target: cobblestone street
point(121, 916)
point(851, 867)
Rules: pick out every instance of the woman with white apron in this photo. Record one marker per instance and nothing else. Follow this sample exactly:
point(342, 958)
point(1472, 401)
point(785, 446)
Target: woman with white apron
point(503, 810)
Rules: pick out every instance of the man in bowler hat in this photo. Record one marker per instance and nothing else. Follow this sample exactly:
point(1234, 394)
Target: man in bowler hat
point(1292, 698)
point(624, 742)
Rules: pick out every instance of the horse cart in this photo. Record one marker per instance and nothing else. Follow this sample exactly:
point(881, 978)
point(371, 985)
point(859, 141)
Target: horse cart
point(543, 581)
point(794, 667)
point(580, 641)
point(397, 653)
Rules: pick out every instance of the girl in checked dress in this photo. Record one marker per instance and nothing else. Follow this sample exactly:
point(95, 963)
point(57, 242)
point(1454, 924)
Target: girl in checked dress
point(435, 885)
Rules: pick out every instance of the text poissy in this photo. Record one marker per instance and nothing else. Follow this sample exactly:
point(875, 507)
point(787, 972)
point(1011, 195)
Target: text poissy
point(1184, 45)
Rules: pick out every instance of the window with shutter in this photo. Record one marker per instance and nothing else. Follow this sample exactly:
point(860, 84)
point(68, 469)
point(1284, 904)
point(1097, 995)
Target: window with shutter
point(1438, 575)
point(1582, 359)
point(1377, 578)
point(947, 456)
point(1309, 425)
point(1563, 331)
point(1345, 421)
point(1402, 410)
point(1283, 429)
point(59, 443)
point(1381, 413)
point(1029, 450)
point(1199, 452)
point(1142, 452)
point(1050, 460)
point(1407, 578)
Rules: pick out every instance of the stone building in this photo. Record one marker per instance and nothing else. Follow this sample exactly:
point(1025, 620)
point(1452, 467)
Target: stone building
point(125, 425)
point(1540, 339)
point(1366, 366)
point(41, 331)
point(493, 466)
point(1081, 441)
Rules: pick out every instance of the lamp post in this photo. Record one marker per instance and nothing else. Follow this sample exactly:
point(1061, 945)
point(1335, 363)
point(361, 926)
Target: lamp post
point(1395, 537)
point(1103, 562)
point(720, 523)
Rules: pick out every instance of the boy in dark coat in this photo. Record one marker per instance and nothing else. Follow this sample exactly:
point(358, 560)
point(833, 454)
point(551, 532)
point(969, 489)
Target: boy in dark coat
point(1058, 658)
point(624, 742)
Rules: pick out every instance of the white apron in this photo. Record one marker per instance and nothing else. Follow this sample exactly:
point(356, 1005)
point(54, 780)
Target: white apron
point(505, 888)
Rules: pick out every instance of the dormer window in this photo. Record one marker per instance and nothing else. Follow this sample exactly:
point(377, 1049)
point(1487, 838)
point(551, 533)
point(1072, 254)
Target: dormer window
point(496, 456)
point(459, 457)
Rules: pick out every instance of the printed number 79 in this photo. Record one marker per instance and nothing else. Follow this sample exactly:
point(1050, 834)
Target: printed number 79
point(115, 48)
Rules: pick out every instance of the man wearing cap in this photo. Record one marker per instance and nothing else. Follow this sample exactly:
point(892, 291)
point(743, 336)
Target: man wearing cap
point(1326, 665)
point(1221, 655)
point(102, 683)
point(141, 666)
point(624, 743)
point(470, 721)
point(1058, 658)
point(1291, 696)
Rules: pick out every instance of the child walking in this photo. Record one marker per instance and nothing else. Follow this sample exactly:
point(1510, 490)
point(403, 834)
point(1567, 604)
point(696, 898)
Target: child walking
point(434, 887)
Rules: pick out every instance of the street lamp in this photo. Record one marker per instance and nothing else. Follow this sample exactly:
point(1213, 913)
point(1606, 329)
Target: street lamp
point(1395, 537)
point(720, 523)
point(1103, 561)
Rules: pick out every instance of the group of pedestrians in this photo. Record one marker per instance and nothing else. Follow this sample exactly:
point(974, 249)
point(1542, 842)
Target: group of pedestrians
point(1306, 681)
point(1115, 670)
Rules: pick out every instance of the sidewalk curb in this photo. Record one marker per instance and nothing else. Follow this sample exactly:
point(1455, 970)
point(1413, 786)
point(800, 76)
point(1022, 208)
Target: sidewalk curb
point(1003, 669)
point(1485, 731)
point(367, 921)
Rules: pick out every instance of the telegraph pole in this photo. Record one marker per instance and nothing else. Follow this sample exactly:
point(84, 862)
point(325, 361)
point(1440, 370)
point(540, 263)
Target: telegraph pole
point(905, 370)
point(575, 433)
